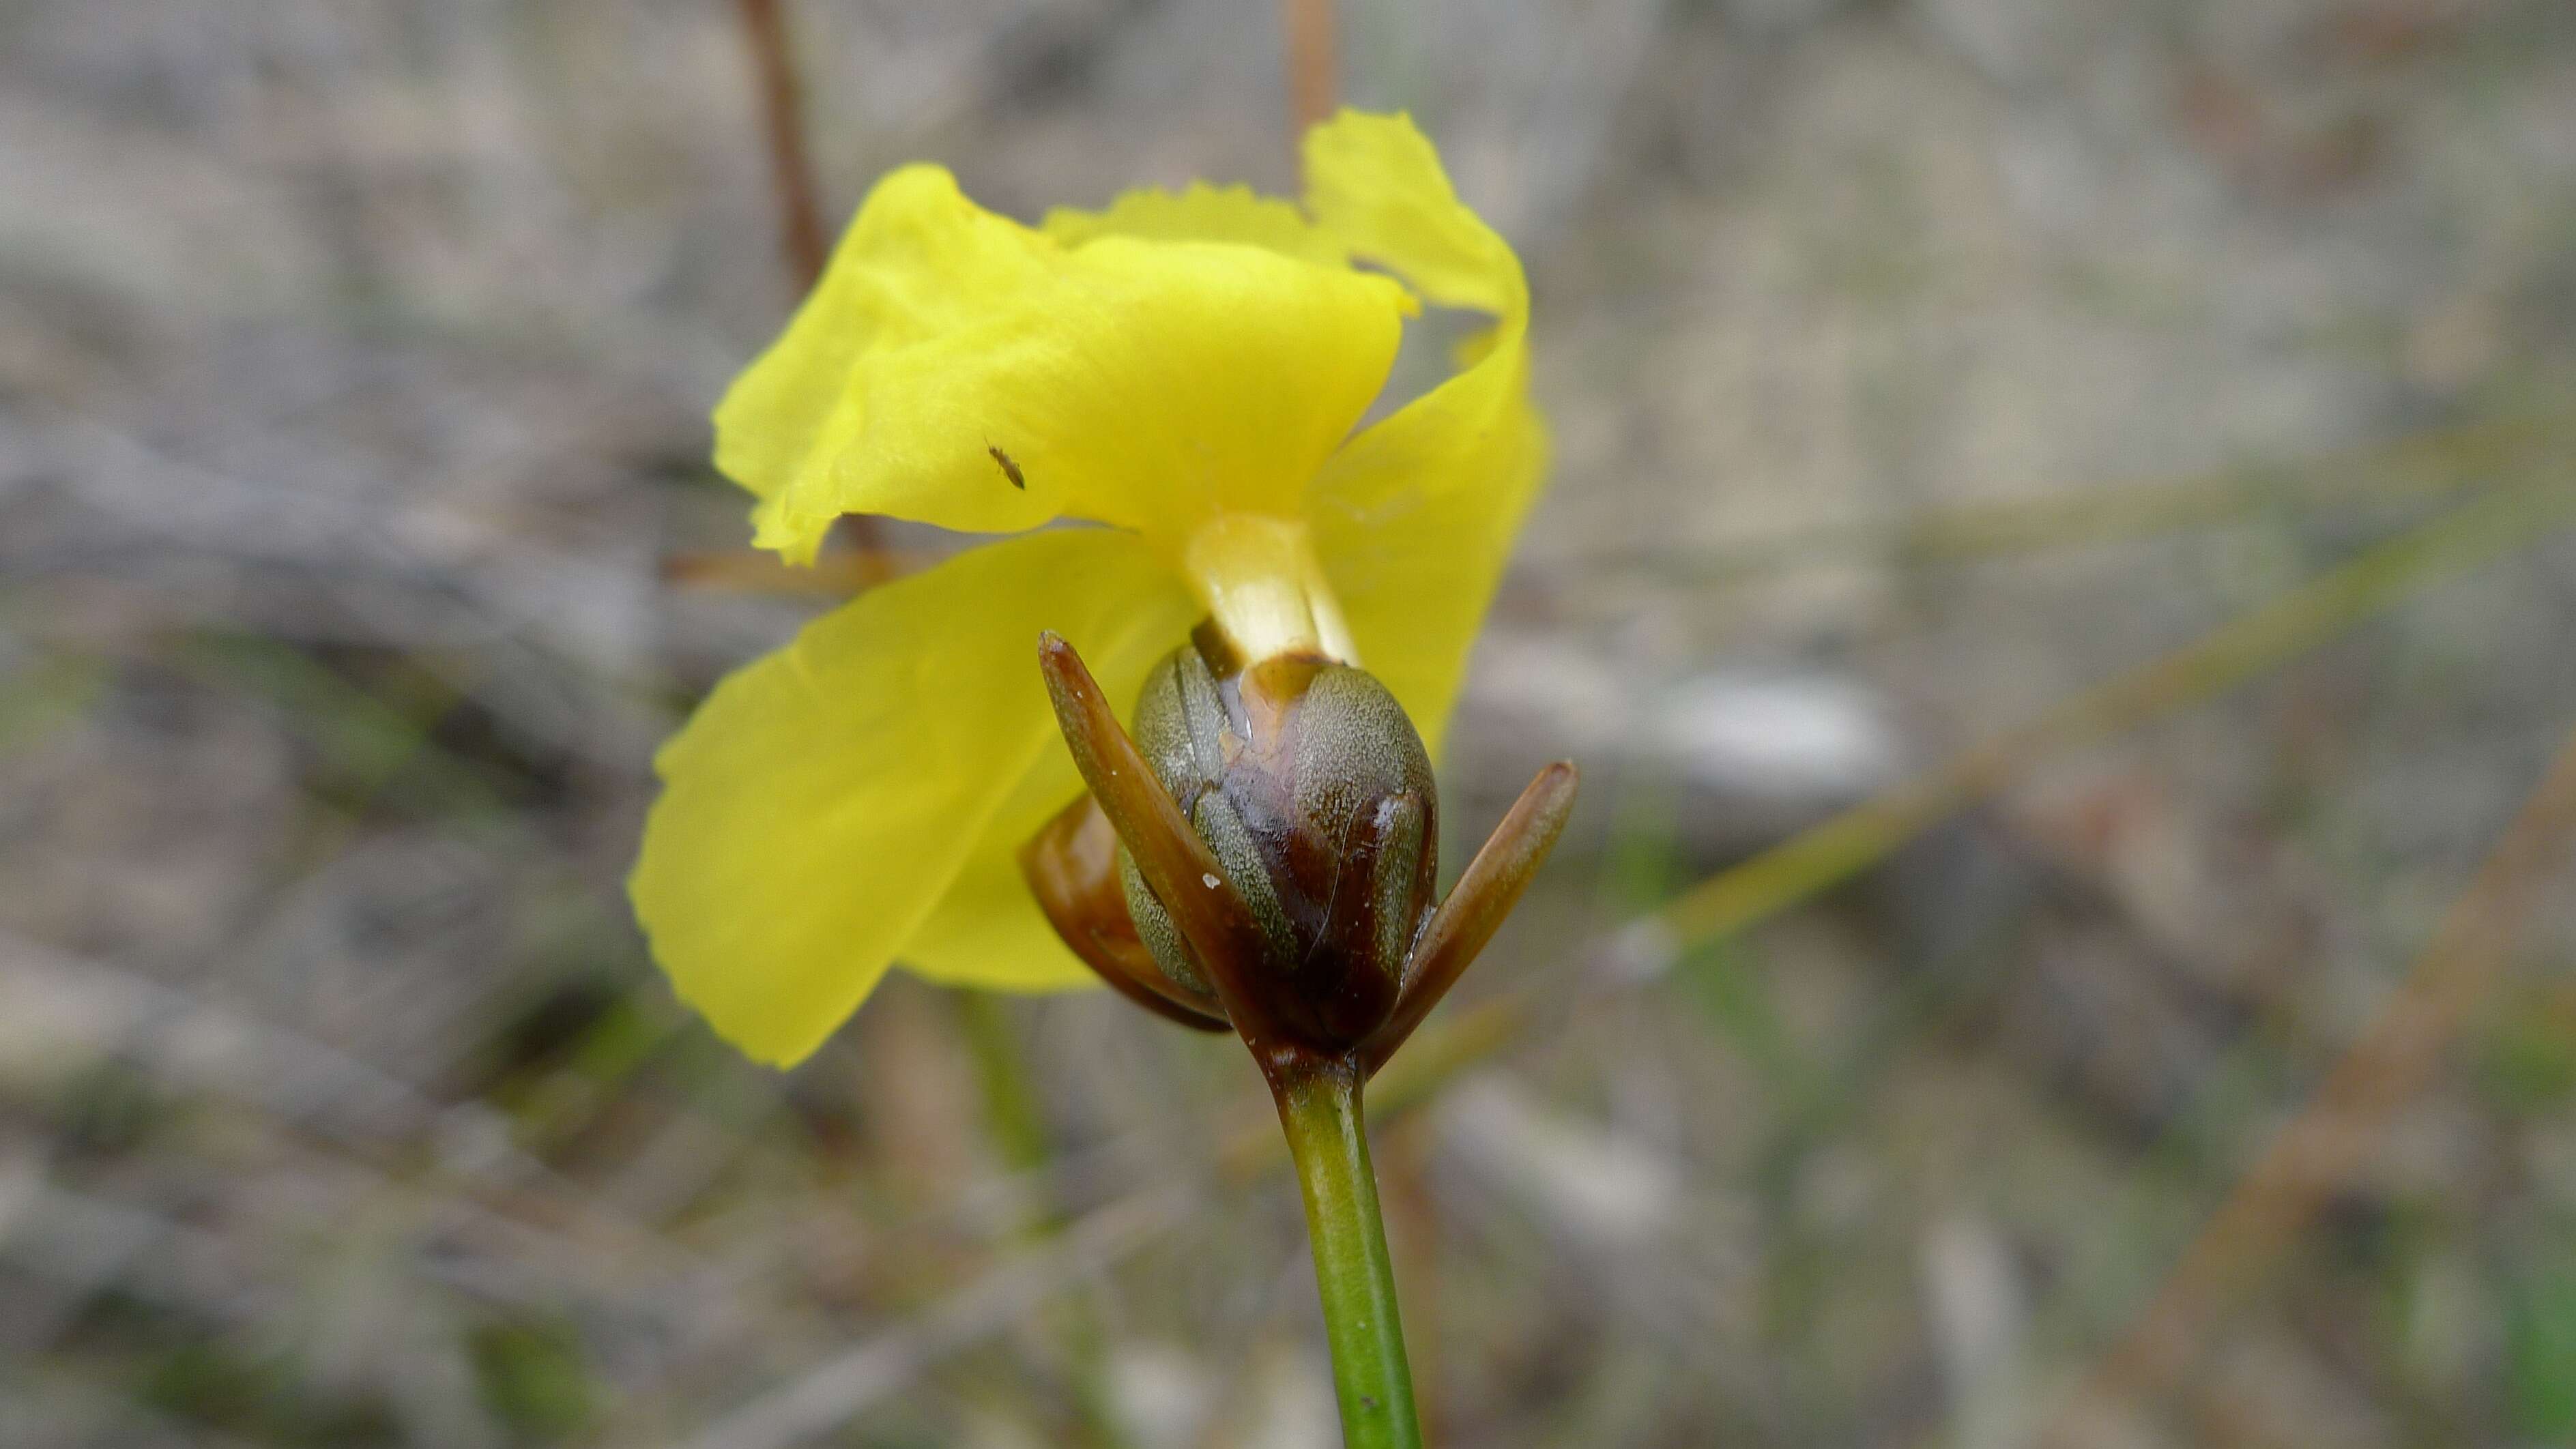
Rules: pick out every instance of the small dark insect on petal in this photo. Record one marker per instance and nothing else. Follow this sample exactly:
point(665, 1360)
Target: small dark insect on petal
point(1010, 469)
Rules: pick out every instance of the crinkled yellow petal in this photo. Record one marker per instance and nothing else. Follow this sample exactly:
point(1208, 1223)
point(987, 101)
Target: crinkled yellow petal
point(1200, 212)
point(1143, 382)
point(823, 800)
point(914, 267)
point(1376, 183)
point(1414, 518)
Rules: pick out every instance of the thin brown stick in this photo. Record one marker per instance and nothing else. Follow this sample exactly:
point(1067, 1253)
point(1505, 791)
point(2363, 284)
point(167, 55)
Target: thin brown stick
point(1313, 61)
point(840, 575)
point(2333, 1136)
point(801, 232)
point(782, 116)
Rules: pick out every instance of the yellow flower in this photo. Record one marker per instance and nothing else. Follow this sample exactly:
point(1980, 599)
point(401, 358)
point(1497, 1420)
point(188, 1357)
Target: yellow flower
point(1188, 369)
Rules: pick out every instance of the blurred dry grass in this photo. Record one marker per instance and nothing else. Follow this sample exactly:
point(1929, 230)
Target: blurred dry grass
point(2056, 573)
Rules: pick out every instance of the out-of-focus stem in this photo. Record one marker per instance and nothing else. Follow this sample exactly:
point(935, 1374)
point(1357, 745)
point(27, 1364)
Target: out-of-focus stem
point(801, 231)
point(1313, 60)
point(1011, 1116)
point(782, 116)
point(1017, 1128)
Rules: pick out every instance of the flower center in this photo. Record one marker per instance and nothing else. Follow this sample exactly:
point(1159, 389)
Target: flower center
point(1259, 578)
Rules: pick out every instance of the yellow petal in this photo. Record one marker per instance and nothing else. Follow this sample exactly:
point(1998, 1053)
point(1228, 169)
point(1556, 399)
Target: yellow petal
point(908, 271)
point(1376, 183)
point(1414, 541)
point(1414, 519)
point(1200, 212)
point(988, 931)
point(1139, 381)
point(823, 800)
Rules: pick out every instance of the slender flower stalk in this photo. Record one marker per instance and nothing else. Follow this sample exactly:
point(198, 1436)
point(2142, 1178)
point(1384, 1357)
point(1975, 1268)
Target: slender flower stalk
point(1329, 1140)
point(782, 118)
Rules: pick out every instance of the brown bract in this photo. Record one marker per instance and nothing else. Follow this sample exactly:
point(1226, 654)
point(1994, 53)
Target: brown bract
point(1072, 869)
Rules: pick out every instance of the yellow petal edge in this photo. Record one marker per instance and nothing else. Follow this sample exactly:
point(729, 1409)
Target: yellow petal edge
point(824, 799)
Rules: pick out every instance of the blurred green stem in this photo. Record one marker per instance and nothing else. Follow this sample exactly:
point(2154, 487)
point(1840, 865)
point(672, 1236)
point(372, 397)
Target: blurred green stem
point(1019, 1134)
point(1010, 1100)
point(1319, 1108)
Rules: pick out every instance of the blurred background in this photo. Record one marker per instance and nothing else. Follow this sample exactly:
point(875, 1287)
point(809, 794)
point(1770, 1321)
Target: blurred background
point(2056, 574)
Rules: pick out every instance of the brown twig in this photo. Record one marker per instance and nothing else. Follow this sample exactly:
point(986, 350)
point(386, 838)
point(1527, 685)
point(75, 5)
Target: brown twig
point(782, 116)
point(844, 574)
point(2332, 1137)
point(1313, 62)
point(801, 231)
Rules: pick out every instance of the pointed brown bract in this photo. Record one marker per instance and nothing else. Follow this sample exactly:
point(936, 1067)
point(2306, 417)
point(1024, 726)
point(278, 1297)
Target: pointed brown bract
point(1176, 865)
point(1072, 868)
point(1478, 903)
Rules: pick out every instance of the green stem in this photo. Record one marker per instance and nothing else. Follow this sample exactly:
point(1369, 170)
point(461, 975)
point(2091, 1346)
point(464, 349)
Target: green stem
point(1320, 1110)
